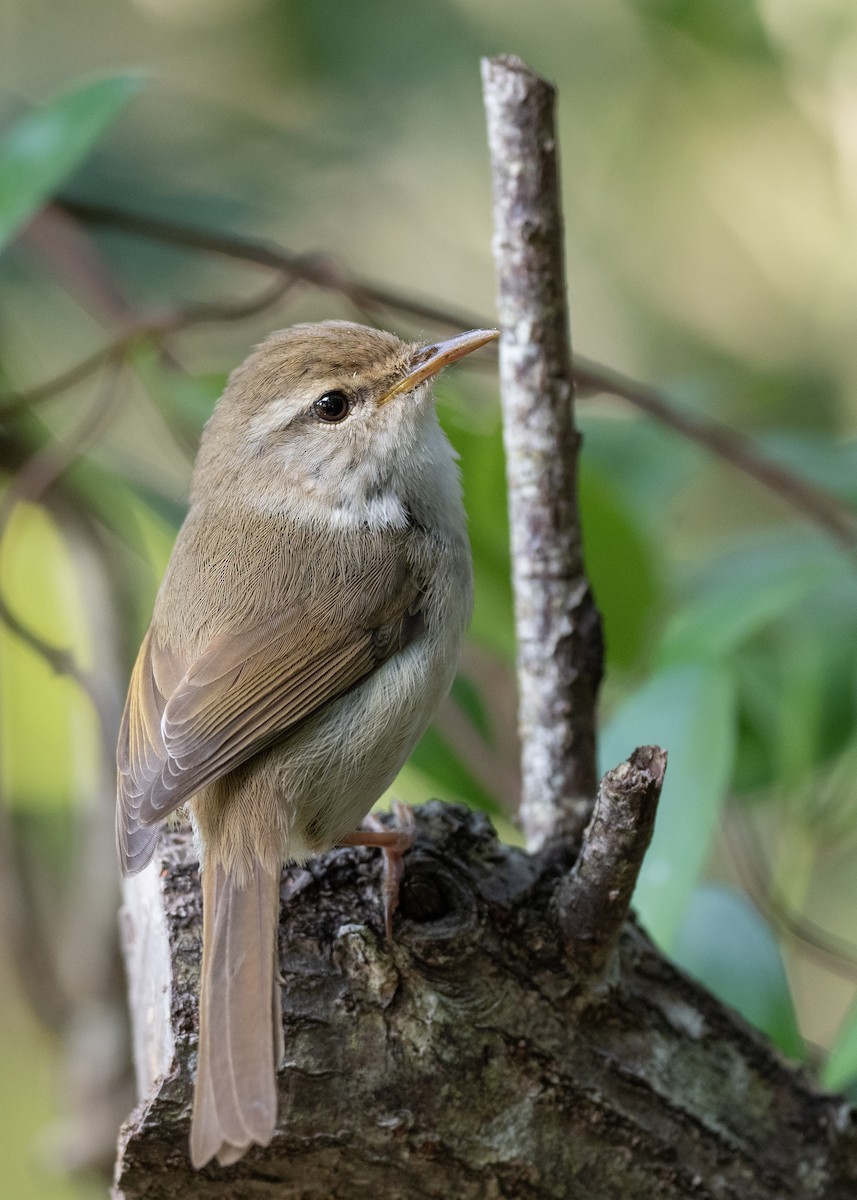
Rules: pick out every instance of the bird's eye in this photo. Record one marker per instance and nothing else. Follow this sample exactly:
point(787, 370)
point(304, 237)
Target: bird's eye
point(332, 407)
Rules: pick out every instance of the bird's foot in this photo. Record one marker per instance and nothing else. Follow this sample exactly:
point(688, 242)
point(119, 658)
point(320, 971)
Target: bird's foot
point(394, 843)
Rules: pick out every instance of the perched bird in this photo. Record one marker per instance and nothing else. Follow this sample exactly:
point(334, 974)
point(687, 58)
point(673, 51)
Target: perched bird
point(308, 626)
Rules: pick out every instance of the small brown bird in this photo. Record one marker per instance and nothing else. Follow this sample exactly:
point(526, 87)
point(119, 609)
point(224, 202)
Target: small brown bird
point(308, 626)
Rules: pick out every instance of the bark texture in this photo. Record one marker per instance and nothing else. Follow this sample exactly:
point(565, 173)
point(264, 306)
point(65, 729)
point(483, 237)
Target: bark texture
point(477, 1056)
point(557, 624)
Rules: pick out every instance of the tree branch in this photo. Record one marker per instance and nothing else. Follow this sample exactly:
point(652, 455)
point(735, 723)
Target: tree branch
point(594, 900)
point(465, 1060)
point(557, 623)
point(316, 269)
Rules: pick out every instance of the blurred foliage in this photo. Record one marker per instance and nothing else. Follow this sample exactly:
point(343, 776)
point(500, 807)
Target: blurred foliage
point(41, 150)
point(710, 175)
point(726, 944)
point(49, 738)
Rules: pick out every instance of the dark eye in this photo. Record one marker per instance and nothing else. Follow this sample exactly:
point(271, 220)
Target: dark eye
point(332, 407)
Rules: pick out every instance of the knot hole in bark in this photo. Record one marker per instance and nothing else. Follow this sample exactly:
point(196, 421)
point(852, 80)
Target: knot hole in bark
point(435, 897)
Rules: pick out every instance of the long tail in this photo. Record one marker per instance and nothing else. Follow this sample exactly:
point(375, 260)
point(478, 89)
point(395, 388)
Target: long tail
point(240, 1037)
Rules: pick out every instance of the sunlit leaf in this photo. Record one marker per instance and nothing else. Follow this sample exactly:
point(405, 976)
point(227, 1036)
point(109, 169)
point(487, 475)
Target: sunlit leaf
point(43, 148)
point(689, 710)
point(725, 944)
point(47, 726)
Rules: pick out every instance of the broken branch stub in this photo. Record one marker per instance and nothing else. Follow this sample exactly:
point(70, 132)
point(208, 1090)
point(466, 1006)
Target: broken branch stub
point(593, 901)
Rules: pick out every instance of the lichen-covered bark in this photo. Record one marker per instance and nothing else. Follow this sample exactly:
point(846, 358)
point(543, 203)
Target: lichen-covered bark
point(468, 1060)
point(556, 622)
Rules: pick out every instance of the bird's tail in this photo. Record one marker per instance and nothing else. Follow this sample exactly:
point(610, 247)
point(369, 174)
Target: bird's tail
point(240, 1017)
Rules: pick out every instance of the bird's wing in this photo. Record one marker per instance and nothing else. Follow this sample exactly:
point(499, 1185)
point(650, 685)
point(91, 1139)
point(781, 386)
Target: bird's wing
point(186, 725)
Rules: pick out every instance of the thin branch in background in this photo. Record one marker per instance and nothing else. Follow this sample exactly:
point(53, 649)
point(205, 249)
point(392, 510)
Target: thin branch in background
point(822, 507)
point(12, 404)
point(60, 660)
point(488, 767)
point(32, 481)
point(318, 269)
point(239, 310)
point(153, 328)
point(836, 954)
point(46, 466)
point(70, 253)
point(558, 628)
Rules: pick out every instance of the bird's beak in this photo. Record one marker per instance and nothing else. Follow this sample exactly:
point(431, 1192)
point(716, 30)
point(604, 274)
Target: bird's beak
point(428, 360)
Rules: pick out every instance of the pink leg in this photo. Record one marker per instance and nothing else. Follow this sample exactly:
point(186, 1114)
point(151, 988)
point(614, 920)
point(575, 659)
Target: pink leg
point(394, 843)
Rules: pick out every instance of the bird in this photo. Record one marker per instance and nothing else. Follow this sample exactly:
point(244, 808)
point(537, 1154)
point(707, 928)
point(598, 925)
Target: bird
point(309, 624)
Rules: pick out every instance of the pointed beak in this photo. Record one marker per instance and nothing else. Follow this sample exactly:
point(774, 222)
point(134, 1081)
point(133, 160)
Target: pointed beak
point(428, 360)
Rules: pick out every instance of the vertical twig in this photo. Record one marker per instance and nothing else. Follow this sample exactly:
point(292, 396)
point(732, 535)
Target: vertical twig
point(558, 627)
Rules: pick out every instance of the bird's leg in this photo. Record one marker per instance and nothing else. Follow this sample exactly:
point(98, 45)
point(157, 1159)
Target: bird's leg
point(394, 843)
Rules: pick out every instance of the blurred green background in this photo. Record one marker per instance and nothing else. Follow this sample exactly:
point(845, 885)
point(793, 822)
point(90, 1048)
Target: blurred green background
point(710, 180)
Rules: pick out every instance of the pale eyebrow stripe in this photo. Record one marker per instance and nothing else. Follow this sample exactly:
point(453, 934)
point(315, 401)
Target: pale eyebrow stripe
point(276, 415)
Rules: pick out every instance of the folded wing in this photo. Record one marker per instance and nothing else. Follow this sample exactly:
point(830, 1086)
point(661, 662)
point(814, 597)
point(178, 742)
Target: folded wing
point(187, 724)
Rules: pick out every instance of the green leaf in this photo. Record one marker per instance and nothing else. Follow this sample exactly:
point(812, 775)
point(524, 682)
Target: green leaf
point(480, 447)
point(623, 452)
point(741, 593)
point(818, 456)
point(450, 777)
point(620, 562)
point(43, 148)
point(840, 1069)
point(191, 398)
point(690, 711)
point(466, 695)
point(729, 27)
point(725, 944)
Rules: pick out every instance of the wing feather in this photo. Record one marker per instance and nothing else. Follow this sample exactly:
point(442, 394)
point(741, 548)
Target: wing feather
point(188, 723)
